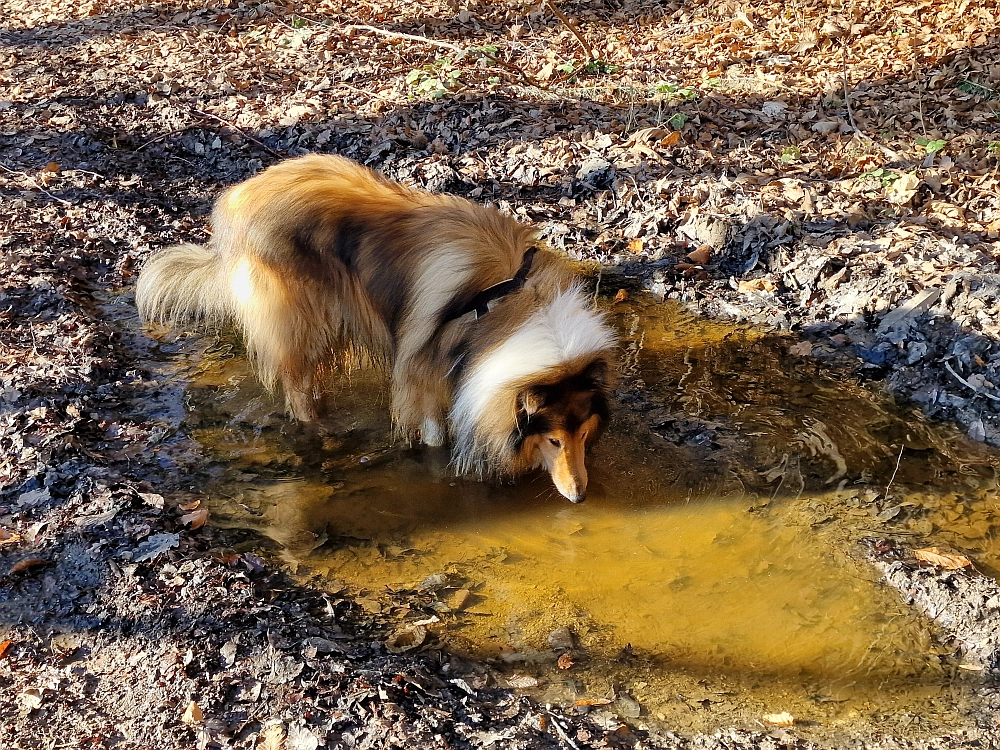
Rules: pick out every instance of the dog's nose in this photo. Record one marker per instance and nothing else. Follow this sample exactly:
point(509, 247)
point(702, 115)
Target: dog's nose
point(579, 497)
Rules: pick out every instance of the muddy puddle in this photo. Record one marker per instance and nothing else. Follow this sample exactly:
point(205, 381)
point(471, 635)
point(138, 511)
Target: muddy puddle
point(707, 581)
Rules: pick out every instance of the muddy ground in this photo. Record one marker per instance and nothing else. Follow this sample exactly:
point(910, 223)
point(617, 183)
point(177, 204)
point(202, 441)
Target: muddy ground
point(822, 170)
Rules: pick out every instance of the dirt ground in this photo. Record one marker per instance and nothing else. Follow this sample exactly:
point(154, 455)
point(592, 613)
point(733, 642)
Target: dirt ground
point(824, 169)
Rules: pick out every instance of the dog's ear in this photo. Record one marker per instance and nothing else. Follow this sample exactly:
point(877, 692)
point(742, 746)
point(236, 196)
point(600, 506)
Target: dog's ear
point(530, 400)
point(597, 372)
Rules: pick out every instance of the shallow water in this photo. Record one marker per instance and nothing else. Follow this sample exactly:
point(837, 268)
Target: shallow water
point(707, 579)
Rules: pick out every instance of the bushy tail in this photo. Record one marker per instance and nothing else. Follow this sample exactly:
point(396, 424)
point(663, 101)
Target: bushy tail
point(182, 284)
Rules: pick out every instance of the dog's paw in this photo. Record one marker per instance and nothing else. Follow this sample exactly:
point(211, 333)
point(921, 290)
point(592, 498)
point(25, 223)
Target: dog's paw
point(432, 433)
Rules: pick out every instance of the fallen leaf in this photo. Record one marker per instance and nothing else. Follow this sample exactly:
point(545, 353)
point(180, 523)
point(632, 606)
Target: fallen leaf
point(946, 560)
point(31, 698)
point(4, 646)
point(635, 246)
point(192, 714)
point(903, 189)
point(155, 546)
point(784, 719)
point(522, 681)
point(8, 537)
point(24, 564)
point(592, 702)
point(406, 639)
point(801, 349)
point(196, 519)
point(272, 738)
point(53, 167)
point(190, 504)
point(621, 296)
point(565, 661)
point(700, 256)
point(756, 285)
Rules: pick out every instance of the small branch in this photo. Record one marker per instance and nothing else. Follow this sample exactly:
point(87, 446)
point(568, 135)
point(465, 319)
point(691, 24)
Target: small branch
point(562, 732)
point(238, 130)
point(847, 95)
point(34, 182)
point(572, 27)
point(967, 384)
point(524, 77)
point(893, 477)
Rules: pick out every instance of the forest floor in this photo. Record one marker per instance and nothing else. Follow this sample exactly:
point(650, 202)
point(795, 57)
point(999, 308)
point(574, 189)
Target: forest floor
point(823, 169)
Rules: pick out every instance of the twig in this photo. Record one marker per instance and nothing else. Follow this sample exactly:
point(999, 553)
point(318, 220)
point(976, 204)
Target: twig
point(886, 493)
point(572, 27)
point(525, 78)
point(34, 182)
point(562, 733)
point(238, 130)
point(847, 96)
point(967, 384)
point(161, 136)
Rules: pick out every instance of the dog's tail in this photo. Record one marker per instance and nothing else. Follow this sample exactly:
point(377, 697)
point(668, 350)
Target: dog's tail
point(182, 284)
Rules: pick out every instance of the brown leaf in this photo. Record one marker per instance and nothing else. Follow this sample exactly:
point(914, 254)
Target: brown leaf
point(4, 646)
point(701, 255)
point(591, 702)
point(621, 296)
point(53, 167)
point(565, 661)
point(784, 719)
point(801, 349)
point(946, 560)
point(635, 246)
point(27, 562)
point(196, 519)
point(192, 714)
point(8, 537)
point(190, 504)
point(522, 681)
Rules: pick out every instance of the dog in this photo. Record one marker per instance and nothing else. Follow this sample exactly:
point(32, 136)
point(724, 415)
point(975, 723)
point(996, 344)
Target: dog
point(489, 339)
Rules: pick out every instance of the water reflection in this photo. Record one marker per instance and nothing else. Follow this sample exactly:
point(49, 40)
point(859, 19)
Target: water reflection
point(709, 560)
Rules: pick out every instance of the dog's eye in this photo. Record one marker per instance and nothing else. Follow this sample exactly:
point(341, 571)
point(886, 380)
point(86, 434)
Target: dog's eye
point(555, 442)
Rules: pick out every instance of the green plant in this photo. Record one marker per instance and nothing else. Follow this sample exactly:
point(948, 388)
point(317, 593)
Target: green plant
point(434, 80)
point(678, 120)
point(885, 176)
point(994, 148)
point(978, 89)
point(932, 146)
point(790, 154)
point(676, 91)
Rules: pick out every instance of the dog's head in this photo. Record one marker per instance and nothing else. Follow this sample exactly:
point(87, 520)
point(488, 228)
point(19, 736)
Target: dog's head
point(556, 423)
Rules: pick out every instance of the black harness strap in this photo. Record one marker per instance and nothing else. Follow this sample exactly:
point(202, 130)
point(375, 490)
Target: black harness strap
point(481, 302)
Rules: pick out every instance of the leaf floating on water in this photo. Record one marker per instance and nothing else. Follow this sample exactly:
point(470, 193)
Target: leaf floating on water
point(190, 504)
point(784, 719)
point(196, 519)
point(621, 296)
point(946, 560)
point(433, 582)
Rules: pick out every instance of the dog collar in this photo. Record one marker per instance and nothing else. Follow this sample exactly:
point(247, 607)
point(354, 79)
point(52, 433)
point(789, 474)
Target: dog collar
point(482, 301)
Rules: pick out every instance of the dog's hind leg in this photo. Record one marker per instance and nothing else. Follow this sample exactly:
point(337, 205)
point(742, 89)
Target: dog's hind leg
point(287, 335)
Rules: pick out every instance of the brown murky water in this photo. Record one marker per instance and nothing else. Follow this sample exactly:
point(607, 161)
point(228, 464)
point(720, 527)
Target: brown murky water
point(706, 580)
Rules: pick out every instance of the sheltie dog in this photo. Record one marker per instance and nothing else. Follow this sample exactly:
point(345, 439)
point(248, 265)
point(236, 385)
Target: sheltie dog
point(489, 340)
